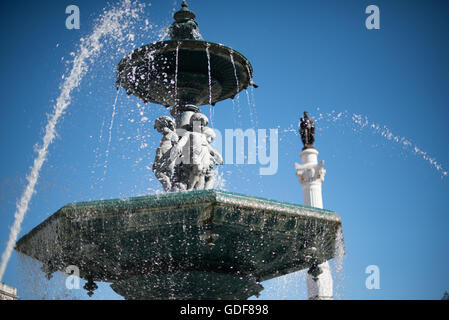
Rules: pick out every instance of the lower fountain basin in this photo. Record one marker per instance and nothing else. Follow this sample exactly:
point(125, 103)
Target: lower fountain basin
point(189, 245)
point(173, 72)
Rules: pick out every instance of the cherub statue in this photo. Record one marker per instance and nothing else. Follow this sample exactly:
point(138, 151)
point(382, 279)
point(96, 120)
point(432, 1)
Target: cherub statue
point(196, 153)
point(215, 158)
point(163, 166)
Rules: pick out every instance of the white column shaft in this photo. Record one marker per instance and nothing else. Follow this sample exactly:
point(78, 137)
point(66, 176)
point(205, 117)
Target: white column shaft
point(312, 195)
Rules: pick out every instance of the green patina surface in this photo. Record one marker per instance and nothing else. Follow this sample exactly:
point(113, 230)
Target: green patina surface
point(186, 66)
point(193, 71)
point(184, 245)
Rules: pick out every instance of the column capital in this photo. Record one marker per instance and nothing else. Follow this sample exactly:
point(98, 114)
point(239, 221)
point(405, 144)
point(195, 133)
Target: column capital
point(310, 173)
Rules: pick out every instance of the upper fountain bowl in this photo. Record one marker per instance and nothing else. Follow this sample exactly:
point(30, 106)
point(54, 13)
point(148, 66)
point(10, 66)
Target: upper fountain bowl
point(177, 72)
point(185, 69)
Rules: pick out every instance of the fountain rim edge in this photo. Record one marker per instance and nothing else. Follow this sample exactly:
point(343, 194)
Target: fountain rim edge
point(173, 44)
point(213, 194)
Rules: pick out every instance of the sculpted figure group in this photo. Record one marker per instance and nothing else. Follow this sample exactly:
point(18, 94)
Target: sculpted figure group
point(185, 159)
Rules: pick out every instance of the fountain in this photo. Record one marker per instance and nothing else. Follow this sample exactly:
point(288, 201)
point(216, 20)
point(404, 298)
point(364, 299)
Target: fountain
point(192, 242)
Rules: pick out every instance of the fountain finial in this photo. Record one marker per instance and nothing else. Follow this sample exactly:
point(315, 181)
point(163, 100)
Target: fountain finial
point(185, 27)
point(185, 13)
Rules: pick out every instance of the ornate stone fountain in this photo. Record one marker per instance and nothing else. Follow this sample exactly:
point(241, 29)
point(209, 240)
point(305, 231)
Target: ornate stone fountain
point(193, 242)
point(185, 72)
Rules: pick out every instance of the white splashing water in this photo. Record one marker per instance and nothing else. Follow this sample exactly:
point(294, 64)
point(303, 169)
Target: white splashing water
point(235, 72)
point(112, 25)
point(176, 74)
point(111, 125)
point(237, 85)
point(211, 112)
point(209, 74)
point(288, 287)
point(251, 103)
point(362, 122)
point(247, 98)
point(339, 253)
point(220, 181)
point(254, 106)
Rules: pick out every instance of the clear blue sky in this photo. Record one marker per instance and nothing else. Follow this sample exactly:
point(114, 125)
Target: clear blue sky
point(306, 55)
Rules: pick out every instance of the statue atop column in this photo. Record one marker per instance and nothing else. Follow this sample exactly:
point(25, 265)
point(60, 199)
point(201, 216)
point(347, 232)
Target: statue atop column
point(307, 131)
point(310, 172)
point(311, 176)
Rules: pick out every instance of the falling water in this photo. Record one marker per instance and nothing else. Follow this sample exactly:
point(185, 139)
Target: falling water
point(339, 253)
point(237, 83)
point(250, 109)
point(211, 116)
point(253, 99)
point(247, 98)
point(220, 181)
point(176, 74)
point(111, 125)
point(235, 72)
point(209, 74)
point(362, 122)
point(111, 24)
point(251, 105)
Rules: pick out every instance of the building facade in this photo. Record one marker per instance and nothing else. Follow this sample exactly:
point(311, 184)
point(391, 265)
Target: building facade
point(7, 292)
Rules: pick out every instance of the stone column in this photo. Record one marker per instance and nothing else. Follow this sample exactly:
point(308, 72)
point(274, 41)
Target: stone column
point(311, 175)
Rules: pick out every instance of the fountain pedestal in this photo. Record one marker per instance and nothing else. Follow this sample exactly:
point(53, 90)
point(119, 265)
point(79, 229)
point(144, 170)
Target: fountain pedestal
point(311, 175)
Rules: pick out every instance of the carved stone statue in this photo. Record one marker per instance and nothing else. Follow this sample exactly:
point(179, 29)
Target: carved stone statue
point(215, 158)
point(307, 131)
point(194, 156)
point(163, 166)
